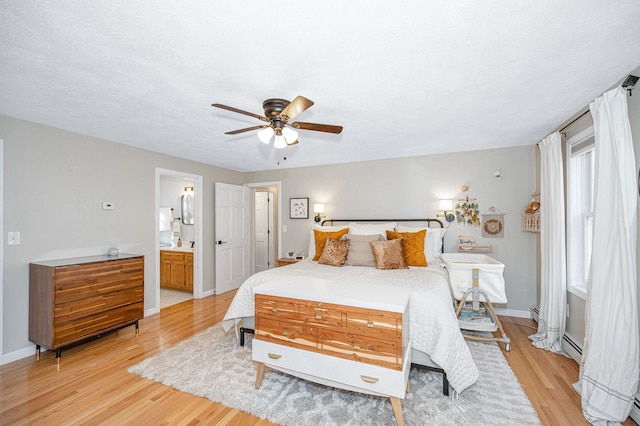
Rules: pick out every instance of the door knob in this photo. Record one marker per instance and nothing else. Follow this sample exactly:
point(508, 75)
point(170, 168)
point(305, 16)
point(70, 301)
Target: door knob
point(222, 242)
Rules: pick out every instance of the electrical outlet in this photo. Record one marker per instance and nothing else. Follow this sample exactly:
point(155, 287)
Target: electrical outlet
point(567, 310)
point(284, 228)
point(13, 238)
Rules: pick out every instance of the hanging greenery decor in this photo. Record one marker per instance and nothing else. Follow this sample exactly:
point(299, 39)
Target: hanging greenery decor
point(468, 212)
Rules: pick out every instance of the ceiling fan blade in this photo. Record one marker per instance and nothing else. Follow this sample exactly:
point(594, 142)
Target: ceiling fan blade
point(328, 128)
point(239, 111)
point(248, 129)
point(296, 107)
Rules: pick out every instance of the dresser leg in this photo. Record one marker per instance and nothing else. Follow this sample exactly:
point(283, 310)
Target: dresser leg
point(37, 352)
point(259, 374)
point(137, 330)
point(58, 355)
point(408, 387)
point(397, 410)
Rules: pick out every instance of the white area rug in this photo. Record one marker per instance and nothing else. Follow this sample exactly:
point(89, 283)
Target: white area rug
point(212, 365)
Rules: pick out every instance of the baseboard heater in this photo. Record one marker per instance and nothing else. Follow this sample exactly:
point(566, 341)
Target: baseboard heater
point(574, 349)
point(535, 313)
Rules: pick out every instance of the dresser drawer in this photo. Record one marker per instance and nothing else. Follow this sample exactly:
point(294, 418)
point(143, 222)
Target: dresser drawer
point(92, 305)
point(384, 325)
point(286, 333)
point(78, 329)
point(321, 314)
point(97, 286)
point(74, 273)
point(333, 371)
point(367, 349)
point(275, 307)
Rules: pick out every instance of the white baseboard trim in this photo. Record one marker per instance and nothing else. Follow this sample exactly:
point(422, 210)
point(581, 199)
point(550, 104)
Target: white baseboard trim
point(208, 293)
point(19, 354)
point(151, 311)
point(512, 313)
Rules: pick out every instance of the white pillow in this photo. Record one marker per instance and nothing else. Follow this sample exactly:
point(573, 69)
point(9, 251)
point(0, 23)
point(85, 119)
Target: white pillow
point(371, 229)
point(311, 252)
point(432, 241)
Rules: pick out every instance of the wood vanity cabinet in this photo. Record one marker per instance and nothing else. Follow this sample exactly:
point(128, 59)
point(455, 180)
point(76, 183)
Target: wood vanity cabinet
point(71, 300)
point(176, 270)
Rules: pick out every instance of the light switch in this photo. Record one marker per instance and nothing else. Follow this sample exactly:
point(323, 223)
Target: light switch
point(284, 228)
point(106, 205)
point(13, 238)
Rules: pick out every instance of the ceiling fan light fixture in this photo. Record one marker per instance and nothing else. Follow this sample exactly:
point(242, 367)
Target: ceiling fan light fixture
point(265, 135)
point(290, 135)
point(280, 142)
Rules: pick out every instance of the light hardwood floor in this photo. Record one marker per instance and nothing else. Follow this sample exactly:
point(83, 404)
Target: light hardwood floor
point(92, 386)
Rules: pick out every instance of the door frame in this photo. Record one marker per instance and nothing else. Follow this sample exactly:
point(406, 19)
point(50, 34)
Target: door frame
point(253, 186)
point(271, 250)
point(198, 286)
point(1, 250)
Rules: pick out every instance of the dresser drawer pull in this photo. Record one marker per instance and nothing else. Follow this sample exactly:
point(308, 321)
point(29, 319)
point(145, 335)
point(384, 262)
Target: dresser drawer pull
point(356, 346)
point(285, 332)
point(369, 379)
point(276, 356)
point(274, 310)
point(318, 315)
point(370, 324)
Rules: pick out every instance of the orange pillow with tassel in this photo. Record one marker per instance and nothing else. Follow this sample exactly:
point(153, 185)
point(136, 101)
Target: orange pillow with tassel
point(413, 244)
point(321, 239)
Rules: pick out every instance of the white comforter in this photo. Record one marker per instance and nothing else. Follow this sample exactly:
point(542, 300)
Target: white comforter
point(433, 327)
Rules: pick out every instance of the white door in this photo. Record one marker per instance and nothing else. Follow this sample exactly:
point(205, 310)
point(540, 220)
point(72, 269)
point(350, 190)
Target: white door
point(263, 214)
point(232, 237)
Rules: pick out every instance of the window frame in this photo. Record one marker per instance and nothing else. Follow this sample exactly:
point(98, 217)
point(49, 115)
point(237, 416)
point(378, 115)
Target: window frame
point(577, 145)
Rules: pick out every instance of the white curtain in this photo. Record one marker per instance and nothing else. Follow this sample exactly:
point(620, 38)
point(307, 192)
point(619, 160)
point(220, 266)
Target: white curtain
point(611, 355)
point(553, 291)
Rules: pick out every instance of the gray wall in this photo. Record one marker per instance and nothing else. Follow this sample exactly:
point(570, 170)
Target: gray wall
point(54, 185)
point(411, 187)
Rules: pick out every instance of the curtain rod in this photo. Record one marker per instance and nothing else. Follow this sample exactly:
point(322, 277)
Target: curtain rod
point(574, 120)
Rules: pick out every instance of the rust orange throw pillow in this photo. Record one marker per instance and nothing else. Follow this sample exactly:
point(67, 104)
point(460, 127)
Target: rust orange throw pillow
point(413, 244)
point(321, 239)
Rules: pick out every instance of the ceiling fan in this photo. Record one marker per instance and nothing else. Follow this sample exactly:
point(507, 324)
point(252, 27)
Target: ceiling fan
point(279, 113)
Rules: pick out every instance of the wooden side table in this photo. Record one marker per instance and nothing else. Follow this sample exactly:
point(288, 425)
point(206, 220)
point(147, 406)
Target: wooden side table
point(284, 261)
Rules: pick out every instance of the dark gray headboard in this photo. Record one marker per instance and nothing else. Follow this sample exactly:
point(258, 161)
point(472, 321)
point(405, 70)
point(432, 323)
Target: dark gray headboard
point(428, 221)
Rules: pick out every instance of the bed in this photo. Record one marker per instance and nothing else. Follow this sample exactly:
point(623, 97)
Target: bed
point(436, 340)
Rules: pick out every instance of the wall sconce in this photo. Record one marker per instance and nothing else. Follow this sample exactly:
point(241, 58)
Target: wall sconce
point(445, 207)
point(318, 209)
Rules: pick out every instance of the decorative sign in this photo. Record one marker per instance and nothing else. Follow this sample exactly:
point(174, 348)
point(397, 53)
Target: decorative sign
point(493, 224)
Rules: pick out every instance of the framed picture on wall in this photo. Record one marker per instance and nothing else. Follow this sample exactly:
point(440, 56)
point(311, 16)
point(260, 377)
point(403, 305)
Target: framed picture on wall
point(299, 208)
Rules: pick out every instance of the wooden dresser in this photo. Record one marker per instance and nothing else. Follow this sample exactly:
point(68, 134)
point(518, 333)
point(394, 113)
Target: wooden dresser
point(73, 299)
point(353, 337)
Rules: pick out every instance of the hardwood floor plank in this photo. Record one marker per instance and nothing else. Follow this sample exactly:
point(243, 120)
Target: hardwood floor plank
point(92, 386)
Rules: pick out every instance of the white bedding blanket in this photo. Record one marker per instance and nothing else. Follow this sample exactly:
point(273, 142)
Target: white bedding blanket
point(433, 326)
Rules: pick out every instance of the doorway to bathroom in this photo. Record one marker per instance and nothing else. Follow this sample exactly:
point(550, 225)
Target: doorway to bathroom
point(178, 236)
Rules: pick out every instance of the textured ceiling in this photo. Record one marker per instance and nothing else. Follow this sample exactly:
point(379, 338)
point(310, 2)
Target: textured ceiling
point(403, 78)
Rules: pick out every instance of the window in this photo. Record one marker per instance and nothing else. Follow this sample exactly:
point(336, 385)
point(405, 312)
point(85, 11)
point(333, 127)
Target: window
point(580, 191)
